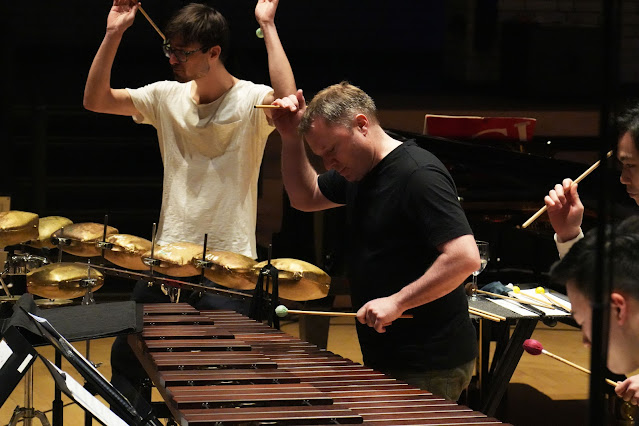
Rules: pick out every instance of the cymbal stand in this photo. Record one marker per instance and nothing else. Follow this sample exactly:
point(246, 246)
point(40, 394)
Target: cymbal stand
point(5, 271)
point(88, 299)
point(263, 303)
point(151, 262)
point(58, 405)
point(104, 245)
point(60, 242)
point(88, 283)
point(203, 263)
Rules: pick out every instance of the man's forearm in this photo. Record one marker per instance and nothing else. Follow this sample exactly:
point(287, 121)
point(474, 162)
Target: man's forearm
point(298, 175)
point(279, 67)
point(445, 274)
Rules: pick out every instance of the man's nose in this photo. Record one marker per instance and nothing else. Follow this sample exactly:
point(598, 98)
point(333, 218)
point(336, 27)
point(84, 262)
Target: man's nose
point(173, 60)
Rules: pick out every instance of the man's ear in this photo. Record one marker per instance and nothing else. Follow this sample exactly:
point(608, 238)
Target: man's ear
point(215, 51)
point(618, 307)
point(362, 123)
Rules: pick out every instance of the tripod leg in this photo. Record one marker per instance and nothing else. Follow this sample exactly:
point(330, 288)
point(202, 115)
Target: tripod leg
point(43, 419)
point(18, 414)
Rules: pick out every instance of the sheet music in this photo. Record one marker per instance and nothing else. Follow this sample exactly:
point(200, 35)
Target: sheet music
point(84, 398)
point(5, 352)
point(518, 309)
point(548, 311)
point(514, 307)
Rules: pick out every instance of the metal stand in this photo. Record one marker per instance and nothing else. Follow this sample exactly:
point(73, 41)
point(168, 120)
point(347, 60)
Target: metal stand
point(263, 305)
point(27, 412)
point(88, 299)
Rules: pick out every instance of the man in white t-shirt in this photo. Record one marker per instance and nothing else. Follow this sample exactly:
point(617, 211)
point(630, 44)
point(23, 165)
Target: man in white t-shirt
point(566, 211)
point(211, 137)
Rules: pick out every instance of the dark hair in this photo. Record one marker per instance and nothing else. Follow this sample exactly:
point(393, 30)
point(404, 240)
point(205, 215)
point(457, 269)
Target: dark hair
point(338, 105)
point(628, 122)
point(199, 23)
point(579, 265)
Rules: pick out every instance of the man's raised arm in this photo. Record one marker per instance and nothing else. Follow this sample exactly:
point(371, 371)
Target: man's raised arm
point(279, 68)
point(298, 175)
point(98, 94)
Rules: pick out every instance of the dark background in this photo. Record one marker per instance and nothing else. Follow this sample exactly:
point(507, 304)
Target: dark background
point(59, 159)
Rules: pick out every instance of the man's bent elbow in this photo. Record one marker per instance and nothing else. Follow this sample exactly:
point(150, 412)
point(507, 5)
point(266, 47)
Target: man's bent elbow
point(302, 205)
point(472, 261)
point(90, 103)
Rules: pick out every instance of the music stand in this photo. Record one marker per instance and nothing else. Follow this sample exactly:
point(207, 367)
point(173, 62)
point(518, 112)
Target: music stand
point(16, 357)
point(100, 384)
point(81, 396)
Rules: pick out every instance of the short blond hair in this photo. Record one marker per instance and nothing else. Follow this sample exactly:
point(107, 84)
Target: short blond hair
point(338, 105)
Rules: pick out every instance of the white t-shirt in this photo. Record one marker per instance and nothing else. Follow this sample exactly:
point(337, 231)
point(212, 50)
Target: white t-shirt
point(212, 155)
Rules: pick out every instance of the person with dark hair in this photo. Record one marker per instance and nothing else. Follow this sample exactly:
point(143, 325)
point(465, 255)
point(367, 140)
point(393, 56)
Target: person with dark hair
point(211, 137)
point(211, 140)
point(565, 209)
point(409, 244)
point(577, 271)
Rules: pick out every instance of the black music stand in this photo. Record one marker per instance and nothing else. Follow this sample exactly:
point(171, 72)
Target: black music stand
point(81, 396)
point(99, 383)
point(16, 357)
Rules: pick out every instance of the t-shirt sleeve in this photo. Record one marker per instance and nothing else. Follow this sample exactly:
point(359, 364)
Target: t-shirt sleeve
point(257, 94)
point(333, 186)
point(146, 100)
point(433, 204)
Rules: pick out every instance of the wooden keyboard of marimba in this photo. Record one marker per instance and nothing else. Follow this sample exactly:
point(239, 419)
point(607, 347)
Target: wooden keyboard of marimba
point(222, 368)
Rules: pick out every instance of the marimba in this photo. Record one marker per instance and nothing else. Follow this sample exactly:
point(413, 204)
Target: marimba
point(222, 368)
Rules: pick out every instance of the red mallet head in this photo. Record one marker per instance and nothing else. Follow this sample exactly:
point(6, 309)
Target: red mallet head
point(533, 347)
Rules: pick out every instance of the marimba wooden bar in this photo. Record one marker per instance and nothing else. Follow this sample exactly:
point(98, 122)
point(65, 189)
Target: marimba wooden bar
point(221, 368)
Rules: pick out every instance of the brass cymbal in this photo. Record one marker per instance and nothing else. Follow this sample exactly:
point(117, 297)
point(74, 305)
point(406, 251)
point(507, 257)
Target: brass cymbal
point(49, 303)
point(46, 227)
point(127, 251)
point(176, 259)
point(299, 280)
point(17, 227)
point(83, 237)
point(231, 270)
point(9, 298)
point(62, 280)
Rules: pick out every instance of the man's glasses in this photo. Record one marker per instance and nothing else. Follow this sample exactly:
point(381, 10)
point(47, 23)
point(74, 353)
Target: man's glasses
point(180, 55)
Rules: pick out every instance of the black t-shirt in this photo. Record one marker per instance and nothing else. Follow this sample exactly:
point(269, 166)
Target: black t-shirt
point(398, 214)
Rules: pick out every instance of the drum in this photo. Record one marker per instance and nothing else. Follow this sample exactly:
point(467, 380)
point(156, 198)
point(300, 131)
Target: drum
point(176, 259)
point(17, 227)
point(299, 280)
point(17, 267)
point(47, 226)
point(127, 251)
point(231, 270)
point(83, 237)
point(23, 263)
point(63, 280)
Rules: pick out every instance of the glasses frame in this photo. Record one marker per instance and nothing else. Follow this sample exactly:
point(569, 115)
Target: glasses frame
point(168, 51)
